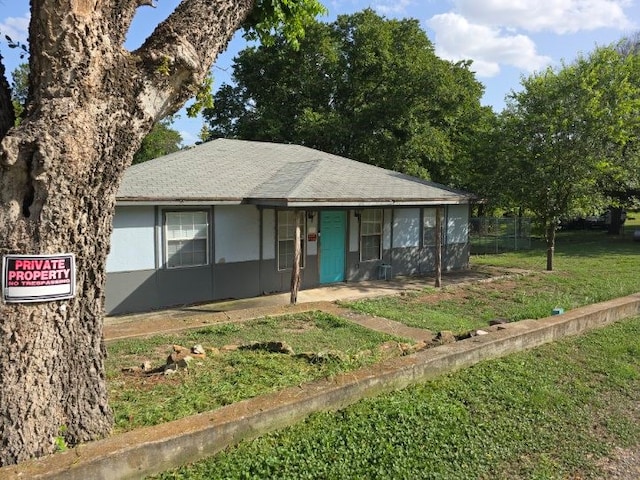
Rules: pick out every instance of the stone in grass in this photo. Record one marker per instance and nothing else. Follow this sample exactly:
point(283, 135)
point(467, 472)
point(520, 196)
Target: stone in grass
point(179, 358)
point(197, 351)
point(409, 348)
point(274, 347)
point(146, 368)
point(184, 361)
point(177, 354)
point(444, 337)
point(390, 348)
point(171, 369)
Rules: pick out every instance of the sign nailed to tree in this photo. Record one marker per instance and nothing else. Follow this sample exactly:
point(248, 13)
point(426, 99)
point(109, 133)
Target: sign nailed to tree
point(38, 278)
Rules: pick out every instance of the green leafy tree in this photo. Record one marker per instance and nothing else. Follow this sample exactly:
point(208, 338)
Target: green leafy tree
point(20, 88)
point(364, 87)
point(161, 140)
point(615, 85)
point(567, 134)
point(89, 105)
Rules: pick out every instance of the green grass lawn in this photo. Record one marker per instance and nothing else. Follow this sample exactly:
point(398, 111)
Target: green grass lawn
point(548, 413)
point(223, 378)
point(589, 267)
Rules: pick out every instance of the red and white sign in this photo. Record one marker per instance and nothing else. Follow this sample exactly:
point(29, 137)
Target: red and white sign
point(38, 278)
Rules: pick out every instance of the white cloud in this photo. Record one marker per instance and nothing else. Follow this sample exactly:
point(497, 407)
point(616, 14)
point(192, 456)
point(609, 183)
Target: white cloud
point(16, 28)
point(558, 16)
point(392, 7)
point(457, 39)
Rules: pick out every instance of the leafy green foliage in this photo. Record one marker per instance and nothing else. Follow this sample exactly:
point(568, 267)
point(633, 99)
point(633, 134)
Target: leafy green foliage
point(285, 18)
point(20, 89)
point(61, 443)
point(569, 136)
point(161, 140)
point(363, 87)
point(203, 98)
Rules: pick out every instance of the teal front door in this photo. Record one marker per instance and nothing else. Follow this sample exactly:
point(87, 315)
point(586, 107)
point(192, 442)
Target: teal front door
point(333, 234)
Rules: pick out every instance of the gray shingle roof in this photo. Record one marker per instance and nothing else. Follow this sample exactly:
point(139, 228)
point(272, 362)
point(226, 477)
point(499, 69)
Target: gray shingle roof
point(238, 171)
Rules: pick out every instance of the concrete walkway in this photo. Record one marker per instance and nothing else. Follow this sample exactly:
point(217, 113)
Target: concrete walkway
point(380, 324)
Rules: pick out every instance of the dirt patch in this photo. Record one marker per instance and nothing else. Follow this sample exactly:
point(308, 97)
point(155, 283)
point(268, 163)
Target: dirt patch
point(146, 383)
point(498, 286)
point(623, 464)
point(441, 296)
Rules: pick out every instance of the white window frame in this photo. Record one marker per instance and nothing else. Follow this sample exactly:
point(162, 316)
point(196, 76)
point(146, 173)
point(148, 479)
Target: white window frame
point(190, 229)
point(371, 226)
point(285, 235)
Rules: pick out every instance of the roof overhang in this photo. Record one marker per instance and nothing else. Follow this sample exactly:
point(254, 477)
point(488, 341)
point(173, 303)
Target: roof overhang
point(296, 203)
point(130, 202)
point(356, 203)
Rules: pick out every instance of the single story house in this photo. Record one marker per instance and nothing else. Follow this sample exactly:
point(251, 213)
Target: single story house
point(217, 221)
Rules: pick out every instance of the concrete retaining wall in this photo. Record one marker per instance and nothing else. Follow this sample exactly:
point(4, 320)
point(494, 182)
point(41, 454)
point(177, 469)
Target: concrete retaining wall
point(151, 450)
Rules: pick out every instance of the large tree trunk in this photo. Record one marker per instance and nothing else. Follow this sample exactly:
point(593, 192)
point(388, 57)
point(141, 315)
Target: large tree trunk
point(57, 194)
point(90, 105)
point(615, 221)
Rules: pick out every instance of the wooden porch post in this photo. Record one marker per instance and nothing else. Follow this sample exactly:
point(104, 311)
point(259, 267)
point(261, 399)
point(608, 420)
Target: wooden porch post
point(297, 255)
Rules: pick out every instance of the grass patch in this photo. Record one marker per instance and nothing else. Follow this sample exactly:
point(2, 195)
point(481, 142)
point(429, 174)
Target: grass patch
point(224, 378)
point(547, 413)
point(589, 267)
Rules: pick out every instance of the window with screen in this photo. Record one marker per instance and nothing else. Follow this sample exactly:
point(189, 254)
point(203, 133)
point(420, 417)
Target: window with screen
point(187, 238)
point(286, 238)
point(370, 235)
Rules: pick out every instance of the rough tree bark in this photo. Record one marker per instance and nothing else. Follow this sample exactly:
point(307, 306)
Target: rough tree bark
point(550, 236)
point(90, 104)
point(615, 221)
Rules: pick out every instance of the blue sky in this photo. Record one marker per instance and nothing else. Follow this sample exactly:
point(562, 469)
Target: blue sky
point(506, 39)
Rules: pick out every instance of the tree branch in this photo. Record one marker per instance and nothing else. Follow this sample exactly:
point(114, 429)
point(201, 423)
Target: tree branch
point(122, 16)
point(7, 114)
point(177, 57)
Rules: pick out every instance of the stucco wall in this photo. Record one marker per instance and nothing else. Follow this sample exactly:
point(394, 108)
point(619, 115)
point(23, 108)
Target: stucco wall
point(132, 240)
point(244, 256)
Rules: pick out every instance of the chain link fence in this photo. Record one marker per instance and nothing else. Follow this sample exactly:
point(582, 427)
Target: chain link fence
point(497, 235)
